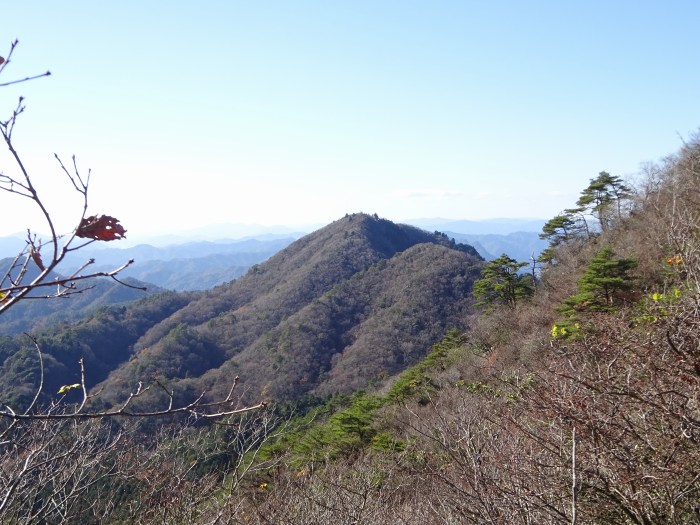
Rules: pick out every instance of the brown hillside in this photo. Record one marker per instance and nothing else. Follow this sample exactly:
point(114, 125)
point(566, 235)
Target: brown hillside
point(352, 303)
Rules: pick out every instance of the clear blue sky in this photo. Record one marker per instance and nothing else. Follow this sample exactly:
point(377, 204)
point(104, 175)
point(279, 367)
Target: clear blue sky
point(296, 112)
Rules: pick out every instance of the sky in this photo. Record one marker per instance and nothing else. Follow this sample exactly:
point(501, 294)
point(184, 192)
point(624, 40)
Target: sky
point(298, 112)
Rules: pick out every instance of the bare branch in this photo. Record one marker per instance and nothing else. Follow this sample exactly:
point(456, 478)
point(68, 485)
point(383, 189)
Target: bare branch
point(24, 187)
point(198, 408)
point(27, 79)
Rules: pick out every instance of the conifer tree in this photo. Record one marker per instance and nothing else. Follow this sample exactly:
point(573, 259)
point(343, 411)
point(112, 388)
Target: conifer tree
point(606, 275)
point(596, 200)
point(602, 192)
point(558, 229)
point(501, 283)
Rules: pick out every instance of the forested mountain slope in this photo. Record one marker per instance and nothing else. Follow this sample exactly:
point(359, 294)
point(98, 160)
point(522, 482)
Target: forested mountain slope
point(103, 340)
point(361, 291)
point(576, 405)
point(352, 303)
point(571, 397)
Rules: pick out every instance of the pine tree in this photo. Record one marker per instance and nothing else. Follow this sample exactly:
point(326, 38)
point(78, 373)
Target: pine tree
point(558, 229)
point(606, 275)
point(601, 193)
point(501, 283)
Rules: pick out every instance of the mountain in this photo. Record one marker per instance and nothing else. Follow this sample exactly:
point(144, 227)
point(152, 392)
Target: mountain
point(577, 404)
point(521, 246)
point(103, 340)
point(519, 238)
point(188, 266)
point(107, 255)
point(573, 401)
point(502, 226)
point(348, 305)
point(177, 262)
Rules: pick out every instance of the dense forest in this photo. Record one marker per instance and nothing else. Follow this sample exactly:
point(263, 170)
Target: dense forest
point(403, 379)
point(352, 303)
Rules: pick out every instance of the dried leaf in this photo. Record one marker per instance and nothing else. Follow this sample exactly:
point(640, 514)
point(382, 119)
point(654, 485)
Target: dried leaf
point(676, 260)
point(37, 258)
point(100, 228)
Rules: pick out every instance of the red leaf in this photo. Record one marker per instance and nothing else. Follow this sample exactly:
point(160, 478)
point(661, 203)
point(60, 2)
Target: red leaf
point(37, 258)
point(100, 228)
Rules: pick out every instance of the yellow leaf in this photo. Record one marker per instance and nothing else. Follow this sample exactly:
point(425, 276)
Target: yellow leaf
point(66, 388)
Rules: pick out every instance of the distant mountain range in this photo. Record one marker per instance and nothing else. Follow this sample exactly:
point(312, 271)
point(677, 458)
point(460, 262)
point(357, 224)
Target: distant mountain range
point(189, 266)
point(521, 246)
point(189, 262)
point(202, 265)
point(519, 238)
point(483, 227)
point(348, 305)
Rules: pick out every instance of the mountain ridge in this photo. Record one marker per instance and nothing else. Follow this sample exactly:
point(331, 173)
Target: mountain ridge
point(381, 294)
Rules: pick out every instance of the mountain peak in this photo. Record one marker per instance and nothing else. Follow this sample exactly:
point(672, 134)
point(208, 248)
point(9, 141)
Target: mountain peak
point(325, 314)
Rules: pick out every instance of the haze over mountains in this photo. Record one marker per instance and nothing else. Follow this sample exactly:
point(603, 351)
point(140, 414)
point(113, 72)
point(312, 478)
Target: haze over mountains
point(204, 257)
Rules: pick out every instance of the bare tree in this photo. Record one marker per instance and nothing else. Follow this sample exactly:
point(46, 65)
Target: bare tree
point(47, 255)
point(107, 470)
point(60, 459)
point(15, 287)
